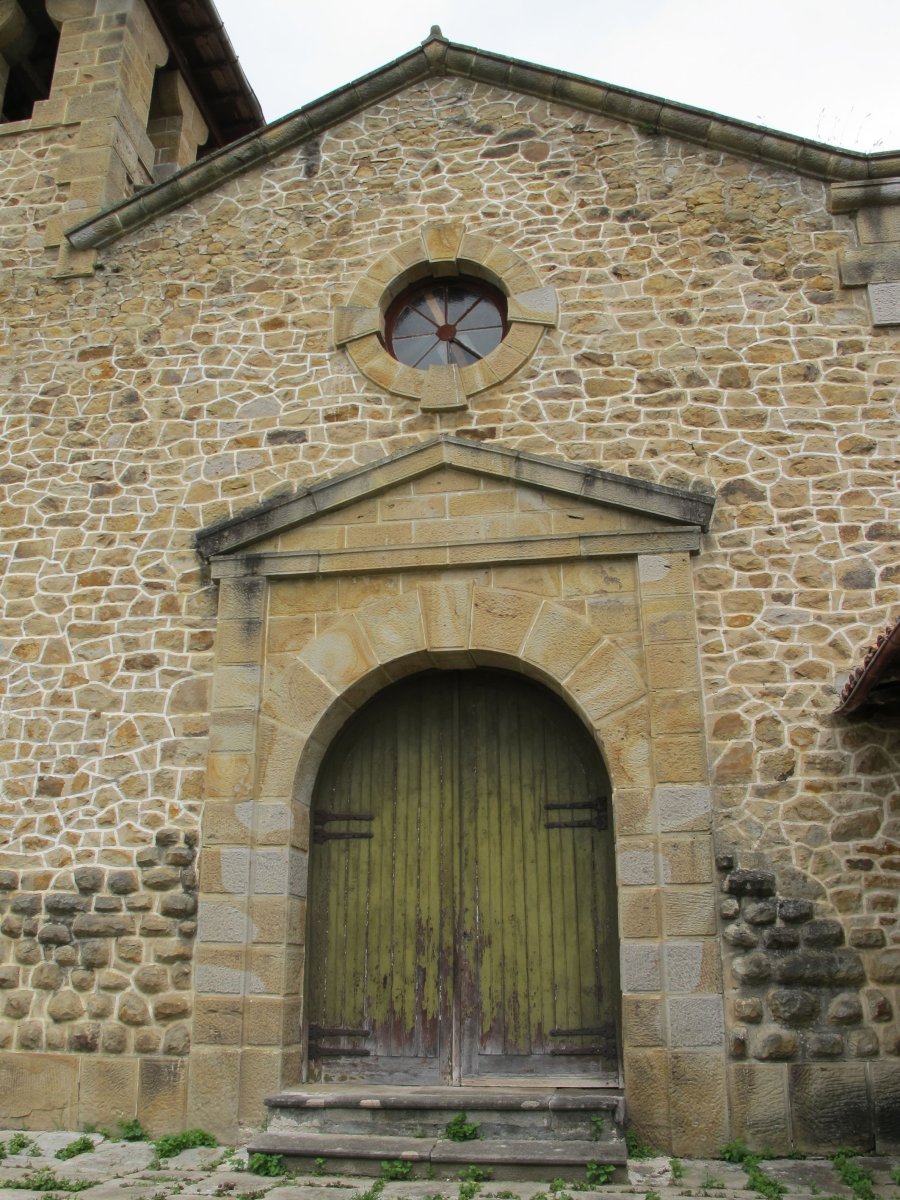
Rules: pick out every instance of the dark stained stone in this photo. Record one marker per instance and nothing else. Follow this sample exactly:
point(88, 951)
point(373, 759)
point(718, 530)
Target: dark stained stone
point(867, 939)
point(11, 926)
point(9, 881)
point(729, 909)
point(9, 976)
point(740, 934)
point(122, 883)
point(88, 879)
point(810, 969)
point(54, 935)
point(64, 903)
point(748, 1008)
point(761, 912)
point(795, 910)
point(107, 904)
point(792, 1006)
point(781, 937)
point(845, 1009)
point(823, 932)
point(724, 862)
point(28, 904)
point(825, 1045)
point(880, 1008)
point(749, 883)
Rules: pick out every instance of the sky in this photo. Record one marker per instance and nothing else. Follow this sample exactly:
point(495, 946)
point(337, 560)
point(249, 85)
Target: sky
point(818, 68)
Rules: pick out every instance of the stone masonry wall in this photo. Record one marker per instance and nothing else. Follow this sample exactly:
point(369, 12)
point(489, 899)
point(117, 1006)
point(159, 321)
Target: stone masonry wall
point(704, 341)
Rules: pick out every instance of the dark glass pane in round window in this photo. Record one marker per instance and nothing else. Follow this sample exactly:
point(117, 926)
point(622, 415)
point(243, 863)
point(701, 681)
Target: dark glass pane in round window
point(438, 322)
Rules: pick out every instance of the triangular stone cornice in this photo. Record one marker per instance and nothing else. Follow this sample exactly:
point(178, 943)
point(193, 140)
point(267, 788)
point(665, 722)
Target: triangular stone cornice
point(439, 57)
point(674, 505)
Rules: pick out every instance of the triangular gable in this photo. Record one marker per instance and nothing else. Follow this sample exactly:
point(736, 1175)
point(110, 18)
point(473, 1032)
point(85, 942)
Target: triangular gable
point(438, 57)
point(644, 507)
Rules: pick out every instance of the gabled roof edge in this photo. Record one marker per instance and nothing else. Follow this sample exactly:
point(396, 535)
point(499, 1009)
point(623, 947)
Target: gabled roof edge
point(438, 56)
point(583, 482)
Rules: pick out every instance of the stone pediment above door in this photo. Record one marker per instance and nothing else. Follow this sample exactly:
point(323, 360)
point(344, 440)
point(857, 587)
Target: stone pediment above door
point(453, 502)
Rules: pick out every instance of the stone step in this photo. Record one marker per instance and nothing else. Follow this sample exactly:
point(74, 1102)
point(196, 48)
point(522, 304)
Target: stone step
point(499, 1159)
point(509, 1112)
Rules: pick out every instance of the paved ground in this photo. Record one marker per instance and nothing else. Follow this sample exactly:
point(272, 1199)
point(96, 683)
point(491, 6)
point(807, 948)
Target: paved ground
point(134, 1171)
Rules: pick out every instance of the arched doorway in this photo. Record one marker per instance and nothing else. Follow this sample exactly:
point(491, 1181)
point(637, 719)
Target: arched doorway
point(461, 902)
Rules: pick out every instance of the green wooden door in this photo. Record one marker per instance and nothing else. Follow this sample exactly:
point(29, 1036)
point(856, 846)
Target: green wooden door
point(462, 920)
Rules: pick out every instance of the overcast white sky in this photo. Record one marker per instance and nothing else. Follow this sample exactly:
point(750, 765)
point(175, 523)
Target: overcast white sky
point(818, 68)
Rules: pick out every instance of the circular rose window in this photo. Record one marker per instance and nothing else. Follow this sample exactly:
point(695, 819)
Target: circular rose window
point(453, 322)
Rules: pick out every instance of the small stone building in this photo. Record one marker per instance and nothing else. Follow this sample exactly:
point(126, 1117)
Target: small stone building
point(437, 530)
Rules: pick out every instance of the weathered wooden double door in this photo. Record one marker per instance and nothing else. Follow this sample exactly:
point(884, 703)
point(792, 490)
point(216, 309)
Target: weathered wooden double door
point(462, 920)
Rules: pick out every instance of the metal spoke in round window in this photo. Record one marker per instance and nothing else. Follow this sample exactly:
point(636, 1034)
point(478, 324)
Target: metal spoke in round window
point(453, 322)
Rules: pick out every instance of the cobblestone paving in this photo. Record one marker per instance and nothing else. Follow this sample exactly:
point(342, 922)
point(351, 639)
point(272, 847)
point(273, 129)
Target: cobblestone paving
point(133, 1171)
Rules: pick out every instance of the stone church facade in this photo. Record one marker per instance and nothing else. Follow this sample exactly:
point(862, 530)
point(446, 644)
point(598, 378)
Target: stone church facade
point(661, 512)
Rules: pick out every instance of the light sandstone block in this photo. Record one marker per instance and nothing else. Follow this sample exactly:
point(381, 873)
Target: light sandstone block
point(235, 687)
point(699, 1109)
point(107, 1090)
point(501, 618)
point(633, 812)
point(341, 654)
point(696, 1021)
point(639, 913)
point(682, 807)
point(689, 912)
point(446, 614)
point(757, 1101)
point(693, 966)
point(605, 680)
point(680, 759)
point(278, 752)
point(641, 967)
point(664, 574)
point(230, 776)
point(162, 1093)
point(558, 640)
point(647, 1091)
point(214, 1089)
point(260, 1077)
point(393, 627)
point(626, 746)
point(644, 1020)
point(39, 1091)
point(294, 694)
point(686, 859)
